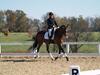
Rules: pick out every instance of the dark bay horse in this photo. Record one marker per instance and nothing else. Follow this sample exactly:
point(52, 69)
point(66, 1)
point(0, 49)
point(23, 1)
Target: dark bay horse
point(58, 37)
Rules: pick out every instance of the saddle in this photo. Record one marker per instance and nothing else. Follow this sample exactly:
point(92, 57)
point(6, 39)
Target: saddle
point(48, 33)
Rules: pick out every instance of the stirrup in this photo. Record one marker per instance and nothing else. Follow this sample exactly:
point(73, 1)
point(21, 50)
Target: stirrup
point(50, 38)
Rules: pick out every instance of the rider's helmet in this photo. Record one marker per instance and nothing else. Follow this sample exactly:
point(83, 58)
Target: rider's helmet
point(50, 14)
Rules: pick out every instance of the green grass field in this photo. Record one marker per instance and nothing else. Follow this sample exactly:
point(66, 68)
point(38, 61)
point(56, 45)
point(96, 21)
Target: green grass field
point(15, 37)
point(23, 37)
point(23, 49)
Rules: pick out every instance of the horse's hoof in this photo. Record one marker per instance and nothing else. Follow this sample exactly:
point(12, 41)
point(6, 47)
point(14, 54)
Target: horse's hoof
point(52, 59)
point(67, 58)
point(35, 57)
point(56, 58)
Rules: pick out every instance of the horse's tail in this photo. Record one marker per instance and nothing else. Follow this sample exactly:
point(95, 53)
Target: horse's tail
point(38, 39)
point(34, 45)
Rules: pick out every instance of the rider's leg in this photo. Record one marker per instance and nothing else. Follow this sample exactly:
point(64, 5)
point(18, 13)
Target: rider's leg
point(50, 33)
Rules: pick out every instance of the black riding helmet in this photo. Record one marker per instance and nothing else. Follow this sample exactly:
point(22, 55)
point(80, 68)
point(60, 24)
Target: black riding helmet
point(50, 14)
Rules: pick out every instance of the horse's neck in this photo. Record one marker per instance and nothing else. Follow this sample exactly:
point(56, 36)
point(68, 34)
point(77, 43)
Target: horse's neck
point(58, 33)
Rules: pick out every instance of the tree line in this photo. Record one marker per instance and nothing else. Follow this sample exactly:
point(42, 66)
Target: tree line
point(18, 21)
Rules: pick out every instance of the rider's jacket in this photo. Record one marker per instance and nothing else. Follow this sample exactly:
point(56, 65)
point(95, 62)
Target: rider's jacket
point(51, 22)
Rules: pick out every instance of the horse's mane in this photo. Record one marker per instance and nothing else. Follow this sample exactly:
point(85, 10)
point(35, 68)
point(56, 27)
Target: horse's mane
point(61, 30)
point(62, 27)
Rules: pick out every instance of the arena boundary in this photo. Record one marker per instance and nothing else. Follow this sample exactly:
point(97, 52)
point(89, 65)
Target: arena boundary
point(46, 55)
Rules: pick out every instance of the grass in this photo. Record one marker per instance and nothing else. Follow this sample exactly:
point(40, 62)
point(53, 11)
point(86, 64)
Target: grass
point(15, 37)
point(22, 49)
point(14, 49)
point(23, 37)
point(88, 49)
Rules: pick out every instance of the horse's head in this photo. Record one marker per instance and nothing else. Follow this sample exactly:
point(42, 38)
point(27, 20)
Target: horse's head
point(63, 29)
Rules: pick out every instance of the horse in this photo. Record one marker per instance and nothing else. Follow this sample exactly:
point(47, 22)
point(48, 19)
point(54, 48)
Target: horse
point(58, 39)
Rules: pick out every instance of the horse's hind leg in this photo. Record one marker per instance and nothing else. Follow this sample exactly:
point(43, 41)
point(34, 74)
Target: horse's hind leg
point(37, 51)
point(33, 47)
point(38, 48)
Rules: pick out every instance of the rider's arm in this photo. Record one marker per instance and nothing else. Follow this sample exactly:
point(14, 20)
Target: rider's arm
point(56, 23)
point(47, 21)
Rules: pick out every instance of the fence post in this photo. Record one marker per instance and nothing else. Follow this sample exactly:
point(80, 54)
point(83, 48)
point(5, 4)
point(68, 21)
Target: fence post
point(99, 48)
point(0, 51)
point(68, 47)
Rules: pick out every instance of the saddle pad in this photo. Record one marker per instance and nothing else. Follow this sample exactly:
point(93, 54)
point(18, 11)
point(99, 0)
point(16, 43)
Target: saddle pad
point(46, 34)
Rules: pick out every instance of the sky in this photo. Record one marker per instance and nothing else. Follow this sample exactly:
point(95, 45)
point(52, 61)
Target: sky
point(68, 8)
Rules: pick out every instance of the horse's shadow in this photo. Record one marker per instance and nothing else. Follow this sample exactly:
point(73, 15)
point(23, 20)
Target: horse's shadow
point(21, 60)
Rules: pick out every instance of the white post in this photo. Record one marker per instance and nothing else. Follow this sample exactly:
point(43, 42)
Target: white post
point(0, 51)
point(68, 47)
point(99, 48)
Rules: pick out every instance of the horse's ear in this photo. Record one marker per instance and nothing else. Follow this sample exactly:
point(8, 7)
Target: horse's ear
point(67, 25)
point(62, 26)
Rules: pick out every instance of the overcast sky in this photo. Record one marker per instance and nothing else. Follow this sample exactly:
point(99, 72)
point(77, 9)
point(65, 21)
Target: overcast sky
point(37, 8)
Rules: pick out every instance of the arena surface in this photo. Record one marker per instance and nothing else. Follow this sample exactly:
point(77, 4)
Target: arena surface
point(45, 66)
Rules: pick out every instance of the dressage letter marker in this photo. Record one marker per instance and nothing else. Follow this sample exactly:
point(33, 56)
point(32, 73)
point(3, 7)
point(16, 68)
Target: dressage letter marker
point(74, 70)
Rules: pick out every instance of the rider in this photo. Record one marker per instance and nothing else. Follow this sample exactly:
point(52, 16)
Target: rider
point(51, 22)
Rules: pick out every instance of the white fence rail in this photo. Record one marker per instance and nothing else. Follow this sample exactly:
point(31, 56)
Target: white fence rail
point(66, 43)
point(79, 43)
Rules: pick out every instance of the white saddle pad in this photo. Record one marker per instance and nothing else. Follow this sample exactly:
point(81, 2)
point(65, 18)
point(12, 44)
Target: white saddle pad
point(46, 34)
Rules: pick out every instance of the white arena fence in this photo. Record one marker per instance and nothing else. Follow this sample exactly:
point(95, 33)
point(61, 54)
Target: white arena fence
point(65, 43)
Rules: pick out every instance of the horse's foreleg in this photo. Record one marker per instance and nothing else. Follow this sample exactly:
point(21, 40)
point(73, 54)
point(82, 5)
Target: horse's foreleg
point(65, 55)
point(59, 54)
point(47, 46)
point(61, 50)
point(51, 56)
